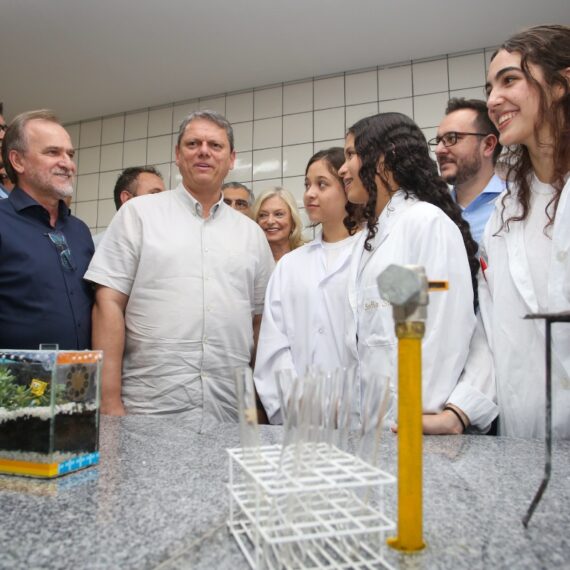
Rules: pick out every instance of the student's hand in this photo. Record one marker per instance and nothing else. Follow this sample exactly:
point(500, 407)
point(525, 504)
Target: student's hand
point(444, 423)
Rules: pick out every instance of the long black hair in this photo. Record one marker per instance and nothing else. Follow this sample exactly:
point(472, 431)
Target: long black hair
point(405, 152)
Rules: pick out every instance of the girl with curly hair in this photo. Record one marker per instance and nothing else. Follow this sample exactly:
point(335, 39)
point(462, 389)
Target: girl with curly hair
point(410, 218)
point(526, 245)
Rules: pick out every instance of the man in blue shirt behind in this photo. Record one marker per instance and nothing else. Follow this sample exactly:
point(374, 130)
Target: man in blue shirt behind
point(467, 147)
point(44, 250)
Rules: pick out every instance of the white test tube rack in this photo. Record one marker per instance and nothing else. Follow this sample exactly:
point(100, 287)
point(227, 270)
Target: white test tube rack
point(317, 507)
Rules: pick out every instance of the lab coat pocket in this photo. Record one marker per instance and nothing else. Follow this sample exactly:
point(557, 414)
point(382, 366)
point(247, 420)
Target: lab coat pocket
point(375, 321)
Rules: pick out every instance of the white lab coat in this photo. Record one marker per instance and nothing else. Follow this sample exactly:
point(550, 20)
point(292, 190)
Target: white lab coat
point(303, 319)
point(506, 294)
point(419, 233)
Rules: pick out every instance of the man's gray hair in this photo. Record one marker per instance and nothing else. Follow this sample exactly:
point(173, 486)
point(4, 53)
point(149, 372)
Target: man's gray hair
point(240, 186)
point(211, 116)
point(15, 137)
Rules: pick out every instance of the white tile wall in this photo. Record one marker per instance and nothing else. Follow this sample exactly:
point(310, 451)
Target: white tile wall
point(164, 169)
point(395, 82)
point(159, 149)
point(268, 103)
point(90, 134)
point(466, 71)
point(243, 136)
point(134, 153)
point(87, 188)
point(429, 109)
point(89, 159)
point(361, 87)
point(180, 112)
point(267, 164)
point(298, 97)
point(136, 126)
point(297, 128)
point(329, 124)
point(113, 129)
point(105, 212)
point(217, 104)
point(356, 112)
point(430, 76)
point(160, 122)
point(259, 186)
point(111, 156)
point(107, 182)
point(295, 159)
point(73, 131)
point(87, 211)
point(277, 128)
point(239, 107)
point(404, 106)
point(329, 92)
point(267, 133)
point(242, 168)
point(470, 93)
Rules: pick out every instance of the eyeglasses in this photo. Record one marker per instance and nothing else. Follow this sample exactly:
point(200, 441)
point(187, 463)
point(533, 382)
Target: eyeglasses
point(3, 126)
point(240, 203)
point(58, 239)
point(451, 138)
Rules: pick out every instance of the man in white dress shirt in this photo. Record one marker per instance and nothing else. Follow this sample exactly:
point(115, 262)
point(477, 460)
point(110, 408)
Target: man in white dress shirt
point(181, 281)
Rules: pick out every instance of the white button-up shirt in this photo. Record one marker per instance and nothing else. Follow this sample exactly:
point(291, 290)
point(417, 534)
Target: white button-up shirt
point(193, 286)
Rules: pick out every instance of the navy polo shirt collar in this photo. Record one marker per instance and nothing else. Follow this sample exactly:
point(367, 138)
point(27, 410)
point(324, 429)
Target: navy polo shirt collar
point(21, 200)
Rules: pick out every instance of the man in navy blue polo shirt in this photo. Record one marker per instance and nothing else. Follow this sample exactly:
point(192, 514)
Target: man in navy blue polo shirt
point(44, 250)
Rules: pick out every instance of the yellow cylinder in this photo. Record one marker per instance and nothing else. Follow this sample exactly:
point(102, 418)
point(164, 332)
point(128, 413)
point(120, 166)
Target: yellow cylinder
point(410, 499)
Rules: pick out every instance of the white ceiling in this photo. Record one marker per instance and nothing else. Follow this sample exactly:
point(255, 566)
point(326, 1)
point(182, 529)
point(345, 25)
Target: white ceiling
point(87, 58)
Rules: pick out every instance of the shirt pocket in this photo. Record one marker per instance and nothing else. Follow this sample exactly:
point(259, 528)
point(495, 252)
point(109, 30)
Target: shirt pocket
point(375, 320)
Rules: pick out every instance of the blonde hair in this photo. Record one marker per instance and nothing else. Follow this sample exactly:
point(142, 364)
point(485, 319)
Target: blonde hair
point(295, 237)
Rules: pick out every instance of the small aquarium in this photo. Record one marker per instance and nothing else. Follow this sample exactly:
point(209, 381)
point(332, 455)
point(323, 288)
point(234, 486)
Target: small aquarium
point(49, 411)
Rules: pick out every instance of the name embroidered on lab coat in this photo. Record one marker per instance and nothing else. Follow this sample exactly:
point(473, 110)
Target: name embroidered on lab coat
point(373, 305)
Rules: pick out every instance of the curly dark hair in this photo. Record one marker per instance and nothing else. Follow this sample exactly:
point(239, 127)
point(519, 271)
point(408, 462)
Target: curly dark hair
point(547, 47)
point(334, 159)
point(405, 152)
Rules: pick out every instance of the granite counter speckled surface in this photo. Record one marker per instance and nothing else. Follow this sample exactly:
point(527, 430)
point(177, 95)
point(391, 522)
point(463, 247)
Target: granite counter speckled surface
point(158, 500)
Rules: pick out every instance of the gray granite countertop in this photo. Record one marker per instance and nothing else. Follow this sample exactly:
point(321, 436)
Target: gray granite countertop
point(158, 499)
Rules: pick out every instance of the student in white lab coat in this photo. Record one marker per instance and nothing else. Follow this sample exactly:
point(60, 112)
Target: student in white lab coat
point(411, 219)
point(526, 245)
point(304, 304)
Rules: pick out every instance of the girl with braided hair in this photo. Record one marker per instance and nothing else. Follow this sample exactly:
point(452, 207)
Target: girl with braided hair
point(410, 218)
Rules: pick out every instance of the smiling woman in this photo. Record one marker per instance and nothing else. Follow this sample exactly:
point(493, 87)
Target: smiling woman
point(277, 214)
point(527, 240)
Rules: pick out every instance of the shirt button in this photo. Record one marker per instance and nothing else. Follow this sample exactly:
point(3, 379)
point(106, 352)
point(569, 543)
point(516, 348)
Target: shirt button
point(321, 330)
point(205, 250)
point(561, 256)
point(205, 340)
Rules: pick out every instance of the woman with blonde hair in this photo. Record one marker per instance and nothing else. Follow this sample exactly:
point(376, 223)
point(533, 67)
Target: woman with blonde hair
point(277, 214)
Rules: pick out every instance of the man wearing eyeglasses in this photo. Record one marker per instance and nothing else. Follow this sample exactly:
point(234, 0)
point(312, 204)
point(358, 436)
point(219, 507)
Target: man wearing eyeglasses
point(467, 148)
point(238, 196)
point(44, 250)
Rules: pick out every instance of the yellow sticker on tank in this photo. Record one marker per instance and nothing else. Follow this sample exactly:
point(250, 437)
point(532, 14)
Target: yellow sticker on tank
point(38, 387)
